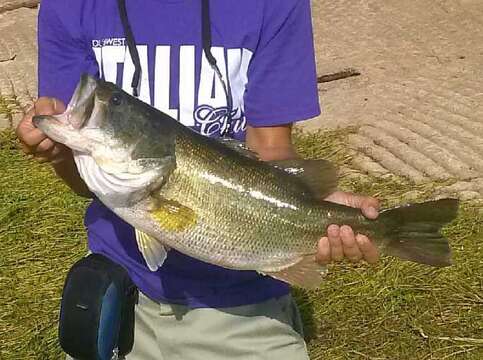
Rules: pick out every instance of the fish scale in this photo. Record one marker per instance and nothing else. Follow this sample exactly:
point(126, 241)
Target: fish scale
point(254, 232)
point(214, 200)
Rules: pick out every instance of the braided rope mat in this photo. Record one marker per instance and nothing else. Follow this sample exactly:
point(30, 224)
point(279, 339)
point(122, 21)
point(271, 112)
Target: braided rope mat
point(418, 103)
point(8, 5)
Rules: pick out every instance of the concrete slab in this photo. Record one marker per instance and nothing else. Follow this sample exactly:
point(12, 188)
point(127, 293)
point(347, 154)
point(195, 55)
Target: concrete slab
point(18, 61)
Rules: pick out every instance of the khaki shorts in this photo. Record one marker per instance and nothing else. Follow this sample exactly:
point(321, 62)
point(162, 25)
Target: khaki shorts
point(271, 330)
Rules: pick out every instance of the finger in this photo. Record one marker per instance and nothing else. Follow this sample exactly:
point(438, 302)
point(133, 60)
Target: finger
point(43, 106)
point(44, 146)
point(27, 133)
point(370, 252)
point(59, 106)
point(335, 197)
point(354, 200)
point(25, 125)
point(48, 106)
point(350, 246)
point(323, 251)
point(336, 252)
point(26, 121)
point(26, 130)
point(32, 138)
point(370, 207)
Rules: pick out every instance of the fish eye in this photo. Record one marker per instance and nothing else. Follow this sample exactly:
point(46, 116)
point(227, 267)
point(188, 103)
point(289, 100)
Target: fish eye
point(116, 99)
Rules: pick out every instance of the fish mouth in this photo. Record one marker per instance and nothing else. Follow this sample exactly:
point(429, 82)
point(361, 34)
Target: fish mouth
point(79, 109)
point(82, 103)
point(66, 127)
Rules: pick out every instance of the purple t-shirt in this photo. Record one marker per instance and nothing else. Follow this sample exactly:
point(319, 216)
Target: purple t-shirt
point(264, 47)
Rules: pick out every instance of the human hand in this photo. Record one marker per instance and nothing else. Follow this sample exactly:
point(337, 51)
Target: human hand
point(340, 241)
point(33, 141)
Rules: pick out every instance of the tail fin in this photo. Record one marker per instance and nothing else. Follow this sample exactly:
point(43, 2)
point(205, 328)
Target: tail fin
point(413, 231)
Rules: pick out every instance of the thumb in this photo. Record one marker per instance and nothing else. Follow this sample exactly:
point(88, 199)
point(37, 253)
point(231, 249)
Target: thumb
point(26, 131)
point(370, 207)
point(48, 106)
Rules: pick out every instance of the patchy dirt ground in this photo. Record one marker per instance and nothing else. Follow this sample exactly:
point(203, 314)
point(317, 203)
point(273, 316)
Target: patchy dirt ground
point(418, 102)
point(18, 59)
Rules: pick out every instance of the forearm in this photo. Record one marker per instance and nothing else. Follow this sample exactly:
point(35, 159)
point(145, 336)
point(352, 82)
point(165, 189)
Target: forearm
point(67, 171)
point(271, 143)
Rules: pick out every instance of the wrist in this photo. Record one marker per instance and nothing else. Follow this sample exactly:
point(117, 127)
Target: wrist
point(277, 153)
point(63, 158)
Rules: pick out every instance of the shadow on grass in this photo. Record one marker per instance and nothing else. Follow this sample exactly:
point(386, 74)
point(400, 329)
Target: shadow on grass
point(311, 328)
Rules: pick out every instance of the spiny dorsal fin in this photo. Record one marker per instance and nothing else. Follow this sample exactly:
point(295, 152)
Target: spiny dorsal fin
point(320, 176)
point(239, 147)
point(153, 251)
point(306, 273)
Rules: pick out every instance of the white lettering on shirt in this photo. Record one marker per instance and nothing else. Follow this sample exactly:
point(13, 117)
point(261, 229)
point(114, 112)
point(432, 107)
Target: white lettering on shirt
point(162, 81)
point(205, 110)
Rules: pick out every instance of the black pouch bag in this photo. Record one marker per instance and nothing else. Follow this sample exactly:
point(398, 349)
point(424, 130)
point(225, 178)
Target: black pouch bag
point(97, 310)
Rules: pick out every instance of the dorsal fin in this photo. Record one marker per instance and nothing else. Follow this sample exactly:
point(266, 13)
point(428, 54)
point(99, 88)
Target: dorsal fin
point(239, 147)
point(319, 176)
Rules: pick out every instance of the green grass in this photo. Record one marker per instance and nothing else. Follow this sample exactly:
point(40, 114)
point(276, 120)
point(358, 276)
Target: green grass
point(395, 310)
point(9, 106)
point(41, 235)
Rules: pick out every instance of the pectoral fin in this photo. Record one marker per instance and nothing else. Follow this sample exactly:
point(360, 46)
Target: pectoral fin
point(173, 216)
point(306, 273)
point(153, 251)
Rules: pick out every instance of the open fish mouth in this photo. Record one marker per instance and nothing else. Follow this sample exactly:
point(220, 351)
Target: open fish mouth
point(94, 125)
point(82, 103)
point(81, 113)
point(79, 109)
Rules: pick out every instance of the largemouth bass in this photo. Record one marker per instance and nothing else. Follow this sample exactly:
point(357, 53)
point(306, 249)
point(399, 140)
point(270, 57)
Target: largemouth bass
point(215, 200)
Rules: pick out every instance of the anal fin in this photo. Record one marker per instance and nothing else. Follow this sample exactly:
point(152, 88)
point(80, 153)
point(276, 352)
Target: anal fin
point(306, 273)
point(153, 251)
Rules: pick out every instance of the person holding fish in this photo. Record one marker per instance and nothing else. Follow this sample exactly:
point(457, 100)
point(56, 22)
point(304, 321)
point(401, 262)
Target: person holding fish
point(210, 232)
